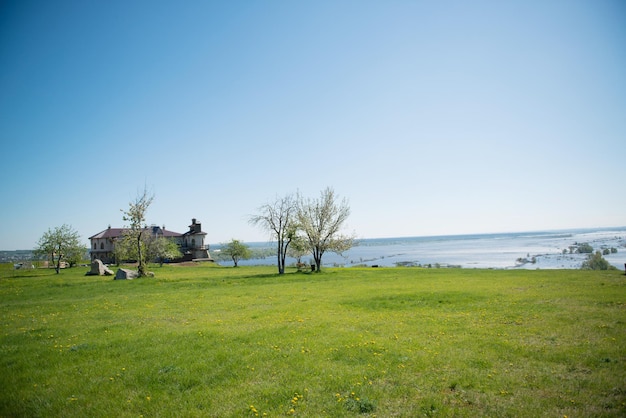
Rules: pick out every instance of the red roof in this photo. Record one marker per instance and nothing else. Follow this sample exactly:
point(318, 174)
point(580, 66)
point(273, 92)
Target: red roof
point(117, 232)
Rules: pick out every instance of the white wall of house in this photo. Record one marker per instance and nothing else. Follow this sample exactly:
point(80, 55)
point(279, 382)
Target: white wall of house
point(102, 244)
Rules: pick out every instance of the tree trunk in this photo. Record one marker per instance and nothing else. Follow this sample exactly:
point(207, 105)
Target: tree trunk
point(317, 256)
point(279, 257)
point(140, 266)
point(58, 263)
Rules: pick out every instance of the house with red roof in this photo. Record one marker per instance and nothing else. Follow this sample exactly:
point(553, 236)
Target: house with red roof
point(191, 243)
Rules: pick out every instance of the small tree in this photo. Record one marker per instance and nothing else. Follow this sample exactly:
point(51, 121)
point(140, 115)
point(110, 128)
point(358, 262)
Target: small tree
point(237, 250)
point(61, 244)
point(279, 219)
point(136, 215)
point(75, 255)
point(584, 248)
point(596, 262)
point(321, 221)
point(161, 249)
point(124, 249)
point(298, 248)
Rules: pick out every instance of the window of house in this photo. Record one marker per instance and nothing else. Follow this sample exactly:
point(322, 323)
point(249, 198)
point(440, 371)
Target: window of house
point(102, 245)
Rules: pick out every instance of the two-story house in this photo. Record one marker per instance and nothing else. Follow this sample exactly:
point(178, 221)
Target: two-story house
point(191, 243)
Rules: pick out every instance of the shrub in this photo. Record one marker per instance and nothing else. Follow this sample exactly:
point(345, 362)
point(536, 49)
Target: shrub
point(585, 248)
point(596, 262)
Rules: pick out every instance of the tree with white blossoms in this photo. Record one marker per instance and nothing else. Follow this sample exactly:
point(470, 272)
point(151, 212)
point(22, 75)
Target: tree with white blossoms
point(161, 249)
point(321, 220)
point(61, 244)
point(136, 216)
point(298, 249)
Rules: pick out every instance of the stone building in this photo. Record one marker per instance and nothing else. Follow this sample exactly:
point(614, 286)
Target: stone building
point(191, 243)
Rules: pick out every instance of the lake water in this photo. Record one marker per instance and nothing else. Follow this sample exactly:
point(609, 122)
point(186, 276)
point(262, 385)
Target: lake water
point(543, 249)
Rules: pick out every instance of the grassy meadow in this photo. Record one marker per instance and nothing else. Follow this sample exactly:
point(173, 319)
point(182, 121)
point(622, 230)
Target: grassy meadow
point(210, 341)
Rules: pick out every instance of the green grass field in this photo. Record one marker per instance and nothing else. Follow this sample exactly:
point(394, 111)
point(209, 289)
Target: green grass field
point(211, 341)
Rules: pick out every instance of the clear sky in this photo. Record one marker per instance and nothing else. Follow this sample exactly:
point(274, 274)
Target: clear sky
point(430, 117)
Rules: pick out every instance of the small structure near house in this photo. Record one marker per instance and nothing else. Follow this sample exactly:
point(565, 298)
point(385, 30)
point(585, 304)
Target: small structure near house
point(99, 269)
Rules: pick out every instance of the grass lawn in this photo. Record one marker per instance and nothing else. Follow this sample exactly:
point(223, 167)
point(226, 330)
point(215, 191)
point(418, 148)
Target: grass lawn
point(212, 341)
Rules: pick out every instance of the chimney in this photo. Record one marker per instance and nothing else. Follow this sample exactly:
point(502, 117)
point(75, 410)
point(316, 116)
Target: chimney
point(195, 226)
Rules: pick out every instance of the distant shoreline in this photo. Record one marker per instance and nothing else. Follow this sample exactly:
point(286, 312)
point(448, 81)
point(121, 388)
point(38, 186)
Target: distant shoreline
point(469, 236)
point(555, 249)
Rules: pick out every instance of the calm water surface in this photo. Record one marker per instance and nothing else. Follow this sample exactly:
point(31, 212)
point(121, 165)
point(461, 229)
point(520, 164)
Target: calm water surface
point(475, 251)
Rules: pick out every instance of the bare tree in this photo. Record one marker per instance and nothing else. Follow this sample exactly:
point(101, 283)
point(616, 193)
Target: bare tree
point(136, 215)
point(321, 221)
point(279, 219)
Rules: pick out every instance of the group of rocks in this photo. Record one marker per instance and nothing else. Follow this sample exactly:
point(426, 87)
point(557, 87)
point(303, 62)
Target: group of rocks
point(99, 269)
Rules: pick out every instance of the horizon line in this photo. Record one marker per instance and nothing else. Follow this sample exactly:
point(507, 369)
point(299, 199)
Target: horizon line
point(437, 235)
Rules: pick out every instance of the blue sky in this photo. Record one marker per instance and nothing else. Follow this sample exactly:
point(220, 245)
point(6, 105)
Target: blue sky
point(429, 117)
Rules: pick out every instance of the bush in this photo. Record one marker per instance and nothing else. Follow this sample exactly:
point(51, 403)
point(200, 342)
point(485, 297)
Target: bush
point(596, 262)
point(585, 248)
